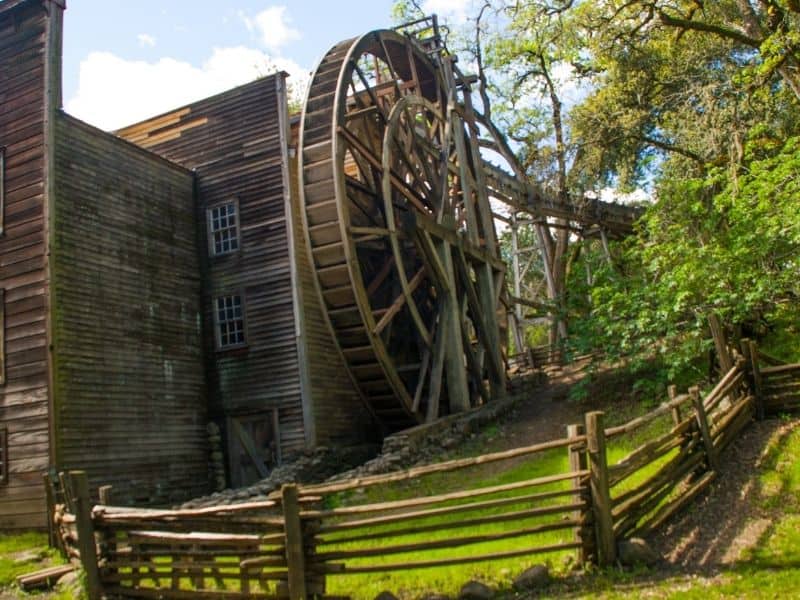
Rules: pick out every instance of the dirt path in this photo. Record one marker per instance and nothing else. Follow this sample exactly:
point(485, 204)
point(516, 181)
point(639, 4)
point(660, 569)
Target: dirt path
point(731, 516)
point(547, 410)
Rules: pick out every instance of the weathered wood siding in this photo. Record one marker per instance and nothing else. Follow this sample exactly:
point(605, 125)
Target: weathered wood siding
point(26, 37)
point(129, 387)
point(336, 412)
point(234, 143)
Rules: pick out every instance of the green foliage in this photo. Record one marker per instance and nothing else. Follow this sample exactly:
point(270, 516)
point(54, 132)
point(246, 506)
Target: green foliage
point(717, 244)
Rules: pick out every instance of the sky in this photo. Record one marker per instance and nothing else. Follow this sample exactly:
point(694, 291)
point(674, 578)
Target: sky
point(128, 60)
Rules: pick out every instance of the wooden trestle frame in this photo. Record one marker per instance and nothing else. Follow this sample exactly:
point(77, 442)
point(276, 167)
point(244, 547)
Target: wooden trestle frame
point(398, 221)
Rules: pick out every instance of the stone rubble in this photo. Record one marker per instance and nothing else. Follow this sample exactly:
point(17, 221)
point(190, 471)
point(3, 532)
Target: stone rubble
point(475, 590)
point(535, 577)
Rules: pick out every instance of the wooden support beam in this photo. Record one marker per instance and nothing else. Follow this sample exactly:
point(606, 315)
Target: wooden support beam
point(466, 177)
point(398, 304)
point(474, 364)
point(720, 342)
point(452, 237)
point(672, 392)
point(423, 374)
point(479, 319)
point(457, 389)
point(431, 258)
point(437, 369)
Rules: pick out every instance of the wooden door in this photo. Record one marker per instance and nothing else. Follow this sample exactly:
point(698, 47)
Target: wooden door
point(253, 448)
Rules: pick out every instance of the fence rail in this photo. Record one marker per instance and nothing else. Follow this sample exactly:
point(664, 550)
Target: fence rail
point(292, 543)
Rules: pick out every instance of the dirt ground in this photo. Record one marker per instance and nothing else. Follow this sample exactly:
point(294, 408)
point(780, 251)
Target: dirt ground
point(728, 518)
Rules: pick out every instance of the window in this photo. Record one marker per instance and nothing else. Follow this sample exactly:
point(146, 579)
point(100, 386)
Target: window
point(3, 456)
point(223, 228)
point(229, 321)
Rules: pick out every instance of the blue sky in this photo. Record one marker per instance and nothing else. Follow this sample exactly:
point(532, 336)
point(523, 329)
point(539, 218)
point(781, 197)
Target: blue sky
point(126, 60)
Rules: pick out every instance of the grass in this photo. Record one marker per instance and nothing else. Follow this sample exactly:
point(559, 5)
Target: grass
point(24, 553)
point(498, 573)
point(768, 569)
point(449, 579)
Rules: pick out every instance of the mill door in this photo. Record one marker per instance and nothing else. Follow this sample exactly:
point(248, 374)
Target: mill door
point(253, 448)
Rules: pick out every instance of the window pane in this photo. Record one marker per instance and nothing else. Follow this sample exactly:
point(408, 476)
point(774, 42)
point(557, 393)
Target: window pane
point(229, 321)
point(224, 228)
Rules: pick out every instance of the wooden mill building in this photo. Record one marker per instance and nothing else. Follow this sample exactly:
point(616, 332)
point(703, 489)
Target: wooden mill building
point(151, 282)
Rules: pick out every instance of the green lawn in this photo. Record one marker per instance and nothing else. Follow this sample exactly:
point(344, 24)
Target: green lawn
point(498, 573)
point(25, 553)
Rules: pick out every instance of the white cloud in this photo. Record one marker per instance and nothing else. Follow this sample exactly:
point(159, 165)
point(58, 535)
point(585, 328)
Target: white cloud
point(113, 92)
point(146, 40)
point(638, 195)
point(452, 10)
point(571, 89)
point(273, 25)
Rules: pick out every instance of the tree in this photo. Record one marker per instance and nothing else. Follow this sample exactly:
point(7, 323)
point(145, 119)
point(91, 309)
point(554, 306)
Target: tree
point(709, 245)
point(670, 86)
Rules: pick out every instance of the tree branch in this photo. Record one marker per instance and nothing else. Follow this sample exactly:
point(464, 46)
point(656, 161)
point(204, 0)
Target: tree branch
point(723, 32)
point(673, 148)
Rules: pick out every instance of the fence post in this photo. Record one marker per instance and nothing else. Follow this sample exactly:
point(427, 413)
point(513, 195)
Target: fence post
point(601, 495)
point(104, 494)
point(79, 485)
point(50, 500)
point(672, 392)
point(295, 554)
point(106, 542)
point(577, 462)
point(750, 353)
point(720, 343)
point(702, 423)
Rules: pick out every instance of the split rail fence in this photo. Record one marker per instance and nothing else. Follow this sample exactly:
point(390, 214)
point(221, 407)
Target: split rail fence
point(290, 545)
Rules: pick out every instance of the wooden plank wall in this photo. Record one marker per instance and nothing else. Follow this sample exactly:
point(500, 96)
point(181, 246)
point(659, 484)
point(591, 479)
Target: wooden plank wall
point(337, 412)
point(24, 34)
point(129, 386)
point(233, 142)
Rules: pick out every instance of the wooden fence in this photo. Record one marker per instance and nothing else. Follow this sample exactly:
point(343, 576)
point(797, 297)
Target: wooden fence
point(290, 545)
point(146, 553)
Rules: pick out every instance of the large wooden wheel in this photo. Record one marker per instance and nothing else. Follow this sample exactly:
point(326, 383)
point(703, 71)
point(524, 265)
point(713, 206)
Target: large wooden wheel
point(399, 230)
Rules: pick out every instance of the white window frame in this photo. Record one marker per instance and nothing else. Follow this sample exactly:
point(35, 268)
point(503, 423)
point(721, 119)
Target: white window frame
point(218, 324)
point(236, 238)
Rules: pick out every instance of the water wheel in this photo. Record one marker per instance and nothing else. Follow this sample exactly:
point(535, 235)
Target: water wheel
point(400, 229)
